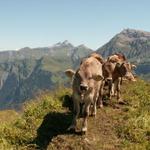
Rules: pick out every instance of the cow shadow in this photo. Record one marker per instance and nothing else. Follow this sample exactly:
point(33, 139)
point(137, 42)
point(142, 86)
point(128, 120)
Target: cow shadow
point(54, 123)
point(67, 102)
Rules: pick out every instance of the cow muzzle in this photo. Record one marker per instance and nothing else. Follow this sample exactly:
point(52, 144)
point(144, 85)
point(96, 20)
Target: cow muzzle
point(83, 88)
point(109, 79)
point(129, 76)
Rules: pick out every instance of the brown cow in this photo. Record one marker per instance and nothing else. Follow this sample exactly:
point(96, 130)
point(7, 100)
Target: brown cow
point(121, 70)
point(116, 58)
point(114, 69)
point(86, 85)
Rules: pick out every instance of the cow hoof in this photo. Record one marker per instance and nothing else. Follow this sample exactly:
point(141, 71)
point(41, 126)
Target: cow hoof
point(121, 102)
point(93, 115)
point(101, 106)
point(84, 130)
point(71, 129)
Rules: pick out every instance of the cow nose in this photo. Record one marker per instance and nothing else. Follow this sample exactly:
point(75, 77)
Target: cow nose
point(109, 80)
point(83, 87)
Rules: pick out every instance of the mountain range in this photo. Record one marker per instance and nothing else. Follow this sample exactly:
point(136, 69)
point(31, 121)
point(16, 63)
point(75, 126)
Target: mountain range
point(25, 72)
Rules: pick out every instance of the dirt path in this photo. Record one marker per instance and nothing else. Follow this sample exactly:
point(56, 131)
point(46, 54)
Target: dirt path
point(101, 133)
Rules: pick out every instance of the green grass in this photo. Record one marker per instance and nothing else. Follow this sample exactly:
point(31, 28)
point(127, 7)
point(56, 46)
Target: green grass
point(44, 121)
point(135, 126)
point(26, 130)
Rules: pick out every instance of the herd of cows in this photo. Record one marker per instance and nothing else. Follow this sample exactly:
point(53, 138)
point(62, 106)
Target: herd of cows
point(91, 79)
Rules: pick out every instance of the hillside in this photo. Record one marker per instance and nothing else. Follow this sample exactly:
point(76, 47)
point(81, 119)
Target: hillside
point(44, 120)
point(135, 45)
point(28, 71)
point(25, 72)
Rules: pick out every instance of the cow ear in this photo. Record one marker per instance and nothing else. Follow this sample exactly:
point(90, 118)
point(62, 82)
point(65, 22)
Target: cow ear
point(118, 65)
point(69, 73)
point(133, 66)
point(97, 77)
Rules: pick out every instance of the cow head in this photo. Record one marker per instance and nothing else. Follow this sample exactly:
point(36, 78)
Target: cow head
point(117, 57)
point(125, 70)
point(86, 80)
point(83, 79)
point(108, 69)
point(98, 57)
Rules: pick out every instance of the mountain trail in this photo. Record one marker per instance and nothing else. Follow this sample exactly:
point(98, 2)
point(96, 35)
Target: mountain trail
point(101, 134)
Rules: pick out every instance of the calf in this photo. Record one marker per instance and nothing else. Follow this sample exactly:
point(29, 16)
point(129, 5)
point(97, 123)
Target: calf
point(86, 86)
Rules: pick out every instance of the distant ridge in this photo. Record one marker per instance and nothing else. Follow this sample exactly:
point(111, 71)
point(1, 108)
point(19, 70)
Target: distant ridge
point(27, 71)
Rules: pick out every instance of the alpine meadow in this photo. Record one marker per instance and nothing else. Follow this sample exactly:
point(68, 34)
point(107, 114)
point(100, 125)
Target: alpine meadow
point(74, 75)
point(43, 119)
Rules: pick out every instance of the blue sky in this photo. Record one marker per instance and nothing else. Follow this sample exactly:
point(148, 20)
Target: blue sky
point(37, 23)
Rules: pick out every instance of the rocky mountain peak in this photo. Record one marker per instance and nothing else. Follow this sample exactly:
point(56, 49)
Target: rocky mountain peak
point(132, 33)
point(132, 43)
point(25, 49)
point(64, 43)
point(82, 46)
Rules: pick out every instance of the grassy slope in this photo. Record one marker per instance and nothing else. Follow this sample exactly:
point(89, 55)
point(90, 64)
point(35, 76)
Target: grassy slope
point(43, 124)
point(135, 126)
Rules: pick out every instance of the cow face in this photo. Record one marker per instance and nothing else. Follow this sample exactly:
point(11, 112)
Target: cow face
point(125, 70)
point(85, 80)
point(108, 69)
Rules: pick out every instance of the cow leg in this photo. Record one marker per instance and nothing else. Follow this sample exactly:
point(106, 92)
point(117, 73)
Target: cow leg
point(110, 89)
point(94, 109)
point(85, 117)
point(101, 94)
point(76, 111)
point(118, 90)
